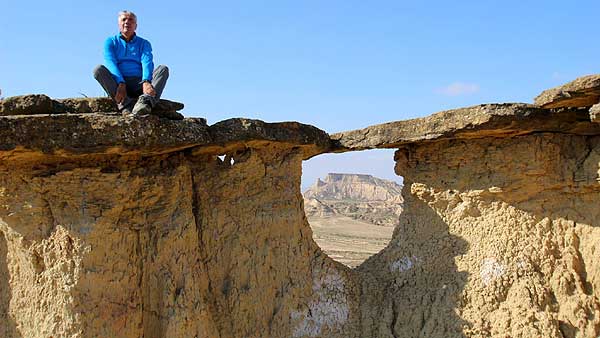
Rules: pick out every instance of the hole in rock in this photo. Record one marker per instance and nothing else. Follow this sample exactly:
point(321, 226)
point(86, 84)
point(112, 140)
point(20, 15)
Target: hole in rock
point(226, 159)
point(352, 202)
point(238, 156)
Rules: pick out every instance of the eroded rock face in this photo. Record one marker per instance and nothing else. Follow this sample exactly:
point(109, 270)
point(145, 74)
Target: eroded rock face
point(499, 237)
point(167, 243)
point(130, 228)
point(499, 231)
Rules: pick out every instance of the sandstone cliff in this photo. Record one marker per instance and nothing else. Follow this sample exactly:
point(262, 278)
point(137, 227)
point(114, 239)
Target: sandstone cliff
point(113, 227)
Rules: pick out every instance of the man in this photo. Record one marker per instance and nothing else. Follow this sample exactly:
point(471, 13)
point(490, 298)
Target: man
point(129, 76)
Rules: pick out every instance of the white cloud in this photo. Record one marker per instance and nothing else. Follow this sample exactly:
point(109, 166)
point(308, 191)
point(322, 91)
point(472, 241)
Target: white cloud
point(459, 88)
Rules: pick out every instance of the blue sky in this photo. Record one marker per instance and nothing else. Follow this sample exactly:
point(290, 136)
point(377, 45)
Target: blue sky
point(338, 65)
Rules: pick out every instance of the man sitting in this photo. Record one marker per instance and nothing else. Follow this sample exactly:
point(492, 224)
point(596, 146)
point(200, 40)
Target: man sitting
point(129, 74)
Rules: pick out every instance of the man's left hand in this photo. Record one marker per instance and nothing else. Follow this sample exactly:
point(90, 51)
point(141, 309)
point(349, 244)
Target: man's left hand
point(148, 89)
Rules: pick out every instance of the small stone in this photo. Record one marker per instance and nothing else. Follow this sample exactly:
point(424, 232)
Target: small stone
point(171, 115)
point(166, 105)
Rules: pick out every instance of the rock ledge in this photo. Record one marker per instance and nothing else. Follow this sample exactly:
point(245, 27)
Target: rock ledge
point(34, 104)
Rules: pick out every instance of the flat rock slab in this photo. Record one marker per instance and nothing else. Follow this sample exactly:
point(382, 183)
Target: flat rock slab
point(487, 120)
point(582, 92)
point(42, 104)
point(94, 133)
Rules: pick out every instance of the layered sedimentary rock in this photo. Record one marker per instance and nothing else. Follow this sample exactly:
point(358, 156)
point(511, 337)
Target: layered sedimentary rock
point(127, 228)
point(150, 227)
point(499, 238)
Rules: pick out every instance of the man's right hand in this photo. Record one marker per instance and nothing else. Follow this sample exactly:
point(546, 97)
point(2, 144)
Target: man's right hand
point(121, 93)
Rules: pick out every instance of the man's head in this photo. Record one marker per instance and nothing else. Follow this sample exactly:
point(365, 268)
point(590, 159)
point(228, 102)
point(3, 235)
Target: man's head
point(127, 23)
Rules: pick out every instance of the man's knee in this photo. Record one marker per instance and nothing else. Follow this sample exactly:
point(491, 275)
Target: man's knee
point(163, 70)
point(99, 70)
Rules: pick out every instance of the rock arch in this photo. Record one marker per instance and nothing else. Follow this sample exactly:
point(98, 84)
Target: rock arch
point(135, 227)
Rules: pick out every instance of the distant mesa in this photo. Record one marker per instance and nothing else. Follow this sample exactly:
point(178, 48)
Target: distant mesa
point(352, 216)
point(358, 196)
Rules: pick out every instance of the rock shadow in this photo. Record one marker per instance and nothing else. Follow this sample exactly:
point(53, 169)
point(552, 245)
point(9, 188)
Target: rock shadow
point(8, 327)
point(527, 206)
point(413, 287)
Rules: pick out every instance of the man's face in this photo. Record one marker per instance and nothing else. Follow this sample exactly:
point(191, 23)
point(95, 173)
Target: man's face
point(127, 25)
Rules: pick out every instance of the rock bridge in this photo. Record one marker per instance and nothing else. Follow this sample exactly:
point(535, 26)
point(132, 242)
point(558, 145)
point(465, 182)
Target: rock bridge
point(120, 227)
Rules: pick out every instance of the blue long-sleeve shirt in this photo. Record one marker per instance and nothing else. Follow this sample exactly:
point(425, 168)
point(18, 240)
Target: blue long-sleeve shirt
point(128, 59)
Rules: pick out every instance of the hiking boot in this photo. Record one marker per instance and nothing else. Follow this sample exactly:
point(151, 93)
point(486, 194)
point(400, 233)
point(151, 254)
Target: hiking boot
point(143, 106)
point(125, 107)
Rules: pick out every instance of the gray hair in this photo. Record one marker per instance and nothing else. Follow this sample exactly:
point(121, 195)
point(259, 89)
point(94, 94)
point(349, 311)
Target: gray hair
point(121, 13)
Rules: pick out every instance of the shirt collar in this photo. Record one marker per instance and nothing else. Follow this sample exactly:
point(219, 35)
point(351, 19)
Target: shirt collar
point(132, 38)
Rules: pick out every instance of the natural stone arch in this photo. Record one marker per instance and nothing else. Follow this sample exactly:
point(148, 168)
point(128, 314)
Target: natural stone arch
point(500, 233)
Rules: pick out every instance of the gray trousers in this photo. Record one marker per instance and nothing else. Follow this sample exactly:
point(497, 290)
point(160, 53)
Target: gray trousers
point(133, 85)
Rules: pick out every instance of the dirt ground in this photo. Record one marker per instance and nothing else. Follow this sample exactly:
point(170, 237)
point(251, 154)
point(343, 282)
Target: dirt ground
point(347, 240)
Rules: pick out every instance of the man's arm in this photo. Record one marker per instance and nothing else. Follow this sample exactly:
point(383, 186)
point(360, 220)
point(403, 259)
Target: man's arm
point(110, 59)
point(147, 69)
point(147, 62)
